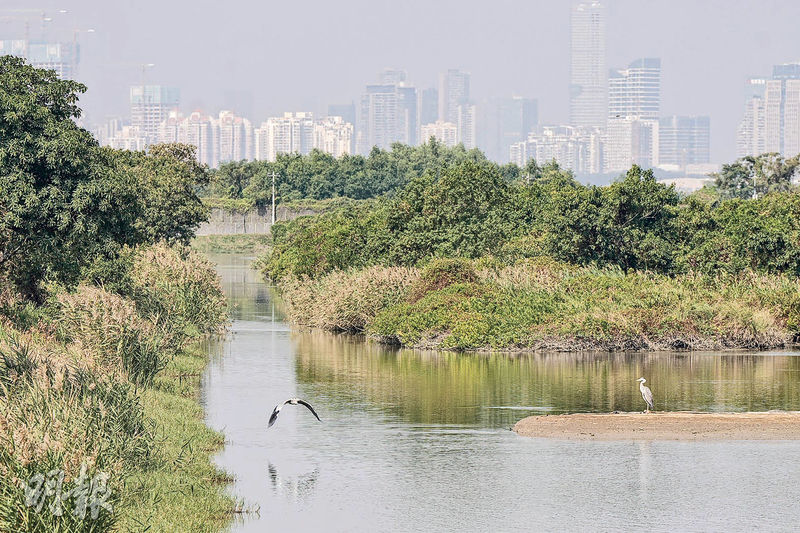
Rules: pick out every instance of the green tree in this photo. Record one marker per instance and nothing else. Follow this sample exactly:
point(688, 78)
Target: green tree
point(755, 176)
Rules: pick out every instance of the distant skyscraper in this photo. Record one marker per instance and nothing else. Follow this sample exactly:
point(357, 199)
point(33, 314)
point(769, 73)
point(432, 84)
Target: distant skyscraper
point(387, 114)
point(635, 91)
point(750, 134)
point(588, 74)
point(771, 121)
point(444, 132)
point(150, 106)
point(334, 136)
point(467, 125)
point(513, 119)
point(235, 137)
point(291, 133)
point(453, 92)
point(428, 107)
point(60, 57)
point(684, 141)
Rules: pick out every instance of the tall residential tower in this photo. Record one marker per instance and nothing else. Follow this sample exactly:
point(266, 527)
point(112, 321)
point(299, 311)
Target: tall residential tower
point(588, 74)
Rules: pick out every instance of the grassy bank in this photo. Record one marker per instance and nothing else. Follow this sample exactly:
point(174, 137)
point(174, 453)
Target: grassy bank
point(100, 385)
point(546, 305)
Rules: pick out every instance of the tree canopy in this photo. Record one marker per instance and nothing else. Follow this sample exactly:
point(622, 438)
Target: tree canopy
point(64, 200)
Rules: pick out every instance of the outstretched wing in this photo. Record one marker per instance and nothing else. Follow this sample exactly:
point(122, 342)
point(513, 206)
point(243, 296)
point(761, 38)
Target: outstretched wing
point(647, 394)
point(274, 416)
point(302, 402)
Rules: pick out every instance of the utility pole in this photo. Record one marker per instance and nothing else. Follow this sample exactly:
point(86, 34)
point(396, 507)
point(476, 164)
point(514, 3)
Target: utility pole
point(273, 197)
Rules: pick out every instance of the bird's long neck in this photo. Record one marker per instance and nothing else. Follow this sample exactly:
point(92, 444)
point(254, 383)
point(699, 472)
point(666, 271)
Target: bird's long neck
point(641, 385)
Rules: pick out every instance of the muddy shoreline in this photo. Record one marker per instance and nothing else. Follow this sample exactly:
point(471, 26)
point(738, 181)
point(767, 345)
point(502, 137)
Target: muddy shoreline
point(684, 426)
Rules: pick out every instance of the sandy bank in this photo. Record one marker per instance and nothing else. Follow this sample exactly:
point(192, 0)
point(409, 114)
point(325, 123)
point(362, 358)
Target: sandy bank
point(773, 425)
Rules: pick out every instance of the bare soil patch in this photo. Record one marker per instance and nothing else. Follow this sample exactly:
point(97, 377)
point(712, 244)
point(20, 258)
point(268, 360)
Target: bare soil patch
point(771, 425)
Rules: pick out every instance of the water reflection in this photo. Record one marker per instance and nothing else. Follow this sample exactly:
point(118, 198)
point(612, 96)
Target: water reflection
point(296, 488)
point(419, 441)
point(498, 389)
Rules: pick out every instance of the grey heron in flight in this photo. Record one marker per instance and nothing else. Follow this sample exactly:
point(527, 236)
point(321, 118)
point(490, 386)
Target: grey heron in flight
point(291, 401)
point(647, 394)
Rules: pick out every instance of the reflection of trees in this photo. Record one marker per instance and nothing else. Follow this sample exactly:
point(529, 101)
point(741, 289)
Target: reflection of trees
point(449, 388)
point(243, 287)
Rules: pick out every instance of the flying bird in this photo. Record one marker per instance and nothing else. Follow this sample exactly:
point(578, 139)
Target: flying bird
point(291, 401)
point(647, 394)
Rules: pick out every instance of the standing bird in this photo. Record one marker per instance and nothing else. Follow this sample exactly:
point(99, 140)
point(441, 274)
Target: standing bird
point(647, 394)
point(291, 401)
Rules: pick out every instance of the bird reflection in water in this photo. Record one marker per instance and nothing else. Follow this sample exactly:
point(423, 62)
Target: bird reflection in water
point(294, 488)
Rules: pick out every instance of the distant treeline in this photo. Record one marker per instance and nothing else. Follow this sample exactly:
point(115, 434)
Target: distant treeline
point(472, 209)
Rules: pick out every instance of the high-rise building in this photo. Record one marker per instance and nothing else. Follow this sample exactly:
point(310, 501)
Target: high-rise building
point(291, 133)
point(235, 137)
point(467, 127)
point(387, 114)
point(750, 134)
point(199, 130)
point(588, 74)
point(444, 132)
point(684, 141)
point(60, 57)
point(428, 107)
point(150, 106)
point(576, 149)
point(334, 136)
point(635, 91)
point(771, 121)
point(510, 121)
point(631, 141)
point(407, 115)
point(348, 114)
point(453, 92)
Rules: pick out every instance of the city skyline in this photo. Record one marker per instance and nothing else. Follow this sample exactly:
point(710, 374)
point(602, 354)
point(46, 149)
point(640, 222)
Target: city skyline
point(736, 44)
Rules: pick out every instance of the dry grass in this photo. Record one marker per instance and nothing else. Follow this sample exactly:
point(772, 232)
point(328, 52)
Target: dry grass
point(544, 305)
point(72, 379)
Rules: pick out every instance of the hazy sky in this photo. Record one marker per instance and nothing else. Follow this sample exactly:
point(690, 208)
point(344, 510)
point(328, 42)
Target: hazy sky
point(267, 57)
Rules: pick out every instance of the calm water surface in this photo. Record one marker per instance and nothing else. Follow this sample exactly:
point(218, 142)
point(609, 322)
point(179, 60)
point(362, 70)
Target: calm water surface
point(417, 441)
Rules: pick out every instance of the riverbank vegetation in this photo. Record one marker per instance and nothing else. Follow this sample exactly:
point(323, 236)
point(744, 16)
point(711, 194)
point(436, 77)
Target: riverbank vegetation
point(100, 306)
point(544, 262)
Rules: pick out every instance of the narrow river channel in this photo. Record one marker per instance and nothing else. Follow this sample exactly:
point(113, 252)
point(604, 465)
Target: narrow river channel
point(416, 441)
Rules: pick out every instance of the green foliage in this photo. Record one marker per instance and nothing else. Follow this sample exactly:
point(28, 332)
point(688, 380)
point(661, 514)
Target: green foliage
point(756, 176)
point(320, 176)
point(64, 201)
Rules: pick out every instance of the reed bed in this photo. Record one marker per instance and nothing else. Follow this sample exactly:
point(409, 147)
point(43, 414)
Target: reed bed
point(81, 380)
point(545, 305)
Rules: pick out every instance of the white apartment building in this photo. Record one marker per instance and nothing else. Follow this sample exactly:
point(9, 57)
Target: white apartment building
point(293, 132)
point(334, 136)
point(576, 149)
point(629, 141)
point(444, 132)
point(199, 130)
point(771, 120)
point(235, 137)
